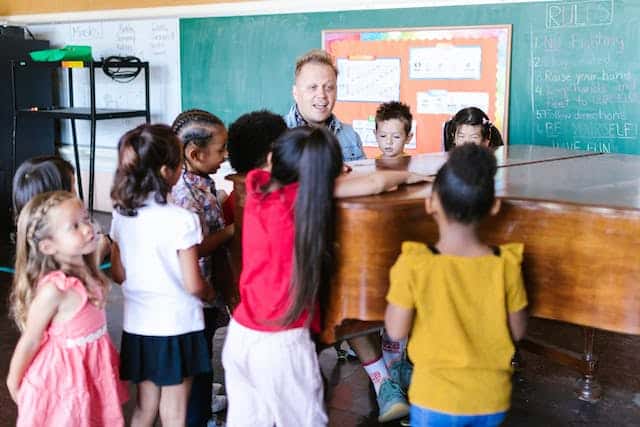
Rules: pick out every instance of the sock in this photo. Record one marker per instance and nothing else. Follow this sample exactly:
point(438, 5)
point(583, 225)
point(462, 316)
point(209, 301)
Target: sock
point(392, 351)
point(377, 371)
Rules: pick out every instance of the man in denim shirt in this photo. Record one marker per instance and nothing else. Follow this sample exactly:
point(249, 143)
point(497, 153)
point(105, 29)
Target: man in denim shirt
point(314, 91)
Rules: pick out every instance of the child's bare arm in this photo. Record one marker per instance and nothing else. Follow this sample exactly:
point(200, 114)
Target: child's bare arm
point(213, 241)
point(191, 276)
point(118, 273)
point(353, 185)
point(43, 308)
point(398, 321)
point(518, 324)
point(104, 248)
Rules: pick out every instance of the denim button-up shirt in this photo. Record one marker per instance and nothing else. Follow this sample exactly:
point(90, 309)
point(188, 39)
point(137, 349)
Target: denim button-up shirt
point(349, 140)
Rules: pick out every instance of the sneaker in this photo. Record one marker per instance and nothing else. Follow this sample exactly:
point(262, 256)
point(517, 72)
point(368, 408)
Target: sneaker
point(218, 403)
point(400, 372)
point(391, 402)
point(216, 389)
point(344, 352)
point(214, 422)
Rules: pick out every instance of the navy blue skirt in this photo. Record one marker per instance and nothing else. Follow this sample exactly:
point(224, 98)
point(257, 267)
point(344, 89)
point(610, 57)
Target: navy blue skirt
point(163, 360)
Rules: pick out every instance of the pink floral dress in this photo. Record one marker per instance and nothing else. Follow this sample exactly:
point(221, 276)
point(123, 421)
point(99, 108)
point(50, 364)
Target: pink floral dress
point(73, 378)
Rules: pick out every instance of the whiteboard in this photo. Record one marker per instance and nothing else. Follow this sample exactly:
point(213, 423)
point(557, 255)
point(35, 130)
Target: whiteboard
point(153, 40)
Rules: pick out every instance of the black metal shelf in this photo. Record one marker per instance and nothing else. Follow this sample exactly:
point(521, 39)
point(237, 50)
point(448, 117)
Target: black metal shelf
point(73, 113)
point(82, 113)
point(84, 64)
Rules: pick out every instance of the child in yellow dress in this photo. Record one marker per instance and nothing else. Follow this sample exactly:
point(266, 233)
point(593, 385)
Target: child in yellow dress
point(462, 300)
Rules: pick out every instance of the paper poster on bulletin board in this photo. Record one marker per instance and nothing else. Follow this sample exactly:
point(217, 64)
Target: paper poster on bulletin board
point(436, 71)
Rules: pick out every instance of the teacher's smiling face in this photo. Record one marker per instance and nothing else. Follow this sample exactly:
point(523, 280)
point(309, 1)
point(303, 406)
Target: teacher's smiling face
point(315, 91)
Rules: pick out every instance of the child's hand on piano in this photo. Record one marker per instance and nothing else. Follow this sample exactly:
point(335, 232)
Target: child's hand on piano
point(414, 178)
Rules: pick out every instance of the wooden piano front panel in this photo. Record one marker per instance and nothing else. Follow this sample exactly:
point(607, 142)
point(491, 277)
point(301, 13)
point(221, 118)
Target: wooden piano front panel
point(582, 264)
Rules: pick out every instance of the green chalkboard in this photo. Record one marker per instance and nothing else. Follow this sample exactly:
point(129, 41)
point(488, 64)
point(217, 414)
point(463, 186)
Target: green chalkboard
point(575, 65)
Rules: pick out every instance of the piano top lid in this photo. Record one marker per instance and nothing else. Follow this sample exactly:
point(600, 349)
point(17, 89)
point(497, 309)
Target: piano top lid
point(526, 172)
point(604, 181)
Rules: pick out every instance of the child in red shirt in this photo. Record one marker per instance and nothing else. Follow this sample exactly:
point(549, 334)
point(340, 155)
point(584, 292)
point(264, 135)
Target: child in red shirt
point(272, 375)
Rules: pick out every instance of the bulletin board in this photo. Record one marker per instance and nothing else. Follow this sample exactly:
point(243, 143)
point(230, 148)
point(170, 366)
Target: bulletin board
point(435, 70)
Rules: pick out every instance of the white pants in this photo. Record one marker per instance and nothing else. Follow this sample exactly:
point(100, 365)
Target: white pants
point(272, 378)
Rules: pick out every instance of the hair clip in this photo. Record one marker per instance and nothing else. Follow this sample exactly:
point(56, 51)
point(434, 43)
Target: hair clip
point(486, 122)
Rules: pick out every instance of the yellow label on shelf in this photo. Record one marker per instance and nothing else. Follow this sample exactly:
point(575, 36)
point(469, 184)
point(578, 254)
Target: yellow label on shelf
point(72, 64)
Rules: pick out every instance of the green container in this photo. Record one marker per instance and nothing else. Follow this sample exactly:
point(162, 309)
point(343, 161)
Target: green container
point(67, 53)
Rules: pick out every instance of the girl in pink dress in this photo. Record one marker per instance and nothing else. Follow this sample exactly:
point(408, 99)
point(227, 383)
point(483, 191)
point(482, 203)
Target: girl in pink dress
point(64, 370)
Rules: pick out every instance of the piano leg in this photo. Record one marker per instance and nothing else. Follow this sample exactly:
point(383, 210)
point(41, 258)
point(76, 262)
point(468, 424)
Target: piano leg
point(588, 388)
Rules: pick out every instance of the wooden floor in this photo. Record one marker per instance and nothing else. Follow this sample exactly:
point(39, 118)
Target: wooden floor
point(543, 391)
point(542, 396)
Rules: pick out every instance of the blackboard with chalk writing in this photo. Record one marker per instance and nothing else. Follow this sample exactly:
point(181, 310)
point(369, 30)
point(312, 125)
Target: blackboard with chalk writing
point(575, 65)
point(585, 70)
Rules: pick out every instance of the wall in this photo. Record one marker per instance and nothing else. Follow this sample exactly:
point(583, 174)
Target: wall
point(575, 66)
point(19, 7)
point(41, 11)
point(56, 16)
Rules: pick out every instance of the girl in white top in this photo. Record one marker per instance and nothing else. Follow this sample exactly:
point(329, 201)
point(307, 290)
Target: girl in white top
point(155, 258)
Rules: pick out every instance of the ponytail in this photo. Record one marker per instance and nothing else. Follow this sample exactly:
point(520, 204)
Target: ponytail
point(495, 138)
point(312, 157)
point(141, 154)
point(465, 184)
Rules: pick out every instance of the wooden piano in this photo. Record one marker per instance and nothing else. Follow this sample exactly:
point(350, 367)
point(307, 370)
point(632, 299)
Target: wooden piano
point(578, 214)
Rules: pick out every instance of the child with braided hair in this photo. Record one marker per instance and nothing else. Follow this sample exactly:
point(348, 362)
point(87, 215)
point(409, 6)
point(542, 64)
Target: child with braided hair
point(204, 144)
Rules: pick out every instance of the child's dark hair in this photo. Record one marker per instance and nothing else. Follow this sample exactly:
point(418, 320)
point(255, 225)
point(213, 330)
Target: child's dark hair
point(311, 157)
point(141, 154)
point(395, 110)
point(193, 127)
point(472, 116)
point(251, 137)
point(40, 175)
point(465, 183)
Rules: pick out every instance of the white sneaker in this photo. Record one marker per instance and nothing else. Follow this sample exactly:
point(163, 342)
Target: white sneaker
point(218, 403)
point(216, 388)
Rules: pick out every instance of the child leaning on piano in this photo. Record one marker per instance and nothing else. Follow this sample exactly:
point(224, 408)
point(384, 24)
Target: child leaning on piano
point(463, 301)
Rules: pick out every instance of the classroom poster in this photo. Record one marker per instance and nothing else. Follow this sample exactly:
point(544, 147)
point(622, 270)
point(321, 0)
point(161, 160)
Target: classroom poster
point(436, 71)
